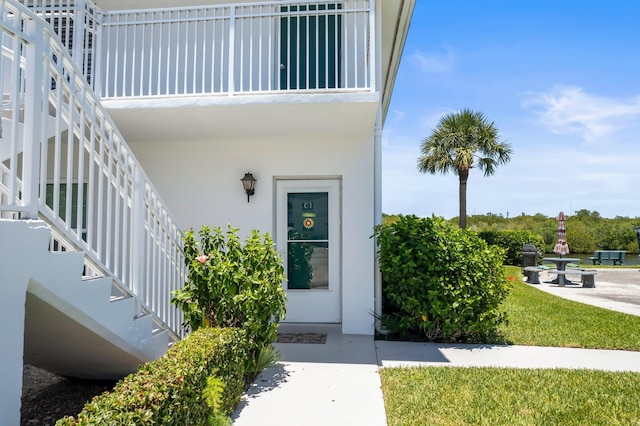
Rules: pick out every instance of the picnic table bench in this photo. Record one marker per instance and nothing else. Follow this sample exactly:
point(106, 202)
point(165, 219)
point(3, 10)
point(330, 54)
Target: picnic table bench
point(533, 273)
point(616, 256)
point(587, 276)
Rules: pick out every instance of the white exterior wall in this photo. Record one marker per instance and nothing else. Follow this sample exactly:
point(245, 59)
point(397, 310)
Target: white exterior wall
point(196, 149)
point(200, 181)
point(13, 281)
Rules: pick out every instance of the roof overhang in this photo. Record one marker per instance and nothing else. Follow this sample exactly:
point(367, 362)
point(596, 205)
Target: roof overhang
point(396, 18)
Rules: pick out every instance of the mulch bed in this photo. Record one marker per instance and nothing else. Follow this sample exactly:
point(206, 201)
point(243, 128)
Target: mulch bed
point(47, 397)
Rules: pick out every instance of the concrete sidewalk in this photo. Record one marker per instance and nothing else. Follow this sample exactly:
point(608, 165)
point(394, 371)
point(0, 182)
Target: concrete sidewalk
point(616, 289)
point(337, 383)
point(410, 354)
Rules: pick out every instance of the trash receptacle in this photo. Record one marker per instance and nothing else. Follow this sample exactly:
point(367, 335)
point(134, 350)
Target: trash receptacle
point(530, 255)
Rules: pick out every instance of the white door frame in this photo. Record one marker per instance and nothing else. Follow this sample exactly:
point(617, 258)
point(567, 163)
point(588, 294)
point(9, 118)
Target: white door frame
point(312, 305)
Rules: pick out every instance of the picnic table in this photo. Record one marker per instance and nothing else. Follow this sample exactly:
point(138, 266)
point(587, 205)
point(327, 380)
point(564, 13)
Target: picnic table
point(561, 265)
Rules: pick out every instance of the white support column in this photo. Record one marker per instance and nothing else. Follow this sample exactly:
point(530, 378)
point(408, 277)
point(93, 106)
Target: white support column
point(25, 237)
point(377, 211)
point(14, 282)
point(33, 109)
point(376, 85)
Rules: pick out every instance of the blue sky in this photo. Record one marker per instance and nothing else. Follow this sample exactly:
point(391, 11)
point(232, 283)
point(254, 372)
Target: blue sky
point(561, 81)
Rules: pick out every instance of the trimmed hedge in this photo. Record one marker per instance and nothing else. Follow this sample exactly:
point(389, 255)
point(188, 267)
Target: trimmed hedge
point(439, 282)
point(173, 389)
point(512, 242)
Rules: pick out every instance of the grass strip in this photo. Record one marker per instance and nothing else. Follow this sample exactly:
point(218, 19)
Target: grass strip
point(537, 318)
point(496, 396)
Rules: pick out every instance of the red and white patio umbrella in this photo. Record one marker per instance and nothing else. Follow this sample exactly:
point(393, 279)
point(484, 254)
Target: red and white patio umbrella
point(561, 246)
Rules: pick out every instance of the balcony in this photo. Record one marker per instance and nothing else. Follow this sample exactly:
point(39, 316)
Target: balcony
point(152, 67)
point(237, 49)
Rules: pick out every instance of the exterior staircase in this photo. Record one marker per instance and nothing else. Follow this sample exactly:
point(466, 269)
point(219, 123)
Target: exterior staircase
point(89, 253)
point(73, 325)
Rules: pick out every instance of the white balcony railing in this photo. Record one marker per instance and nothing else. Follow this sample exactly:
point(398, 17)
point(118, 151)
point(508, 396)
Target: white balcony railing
point(219, 50)
point(77, 24)
point(63, 160)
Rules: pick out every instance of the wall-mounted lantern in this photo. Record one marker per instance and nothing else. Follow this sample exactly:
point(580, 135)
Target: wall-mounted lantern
point(248, 182)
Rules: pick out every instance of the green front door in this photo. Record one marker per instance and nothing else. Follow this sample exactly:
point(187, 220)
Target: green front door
point(310, 46)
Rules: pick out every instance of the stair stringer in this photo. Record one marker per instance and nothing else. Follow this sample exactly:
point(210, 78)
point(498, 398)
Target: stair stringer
point(72, 327)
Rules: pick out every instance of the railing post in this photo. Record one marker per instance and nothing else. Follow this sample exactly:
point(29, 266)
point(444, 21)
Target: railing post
point(77, 50)
point(33, 109)
point(232, 48)
point(138, 234)
point(97, 52)
point(375, 41)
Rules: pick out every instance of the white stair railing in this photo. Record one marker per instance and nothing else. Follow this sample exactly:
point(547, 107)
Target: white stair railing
point(84, 181)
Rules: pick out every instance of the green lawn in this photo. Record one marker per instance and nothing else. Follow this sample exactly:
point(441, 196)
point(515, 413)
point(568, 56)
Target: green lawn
point(493, 396)
point(499, 396)
point(541, 319)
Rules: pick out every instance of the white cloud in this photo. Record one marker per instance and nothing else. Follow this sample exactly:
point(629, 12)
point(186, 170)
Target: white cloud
point(433, 62)
point(569, 109)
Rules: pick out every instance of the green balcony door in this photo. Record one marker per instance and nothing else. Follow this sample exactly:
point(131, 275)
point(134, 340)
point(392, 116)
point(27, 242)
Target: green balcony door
point(310, 46)
point(308, 238)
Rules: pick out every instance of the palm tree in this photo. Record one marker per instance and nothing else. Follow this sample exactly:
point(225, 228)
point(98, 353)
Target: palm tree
point(461, 141)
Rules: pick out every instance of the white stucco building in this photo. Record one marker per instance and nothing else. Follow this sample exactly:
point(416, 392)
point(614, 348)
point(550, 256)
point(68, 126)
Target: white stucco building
point(127, 121)
point(298, 98)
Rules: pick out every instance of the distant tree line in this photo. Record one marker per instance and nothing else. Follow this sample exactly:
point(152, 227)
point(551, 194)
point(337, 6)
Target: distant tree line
point(586, 230)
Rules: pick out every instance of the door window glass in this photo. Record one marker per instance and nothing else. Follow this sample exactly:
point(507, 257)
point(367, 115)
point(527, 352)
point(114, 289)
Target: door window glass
point(308, 240)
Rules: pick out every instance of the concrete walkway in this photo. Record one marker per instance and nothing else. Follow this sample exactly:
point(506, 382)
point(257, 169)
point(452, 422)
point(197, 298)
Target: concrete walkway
point(617, 289)
point(337, 383)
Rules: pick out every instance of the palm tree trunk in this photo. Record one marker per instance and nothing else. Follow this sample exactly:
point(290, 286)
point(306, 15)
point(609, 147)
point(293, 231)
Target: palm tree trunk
point(463, 175)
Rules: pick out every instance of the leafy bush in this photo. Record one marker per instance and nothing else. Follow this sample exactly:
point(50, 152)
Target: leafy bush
point(233, 285)
point(200, 378)
point(440, 283)
point(512, 242)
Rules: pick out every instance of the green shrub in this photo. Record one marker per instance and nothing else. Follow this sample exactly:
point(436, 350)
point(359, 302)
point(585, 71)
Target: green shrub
point(233, 285)
point(512, 242)
point(439, 282)
point(176, 389)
